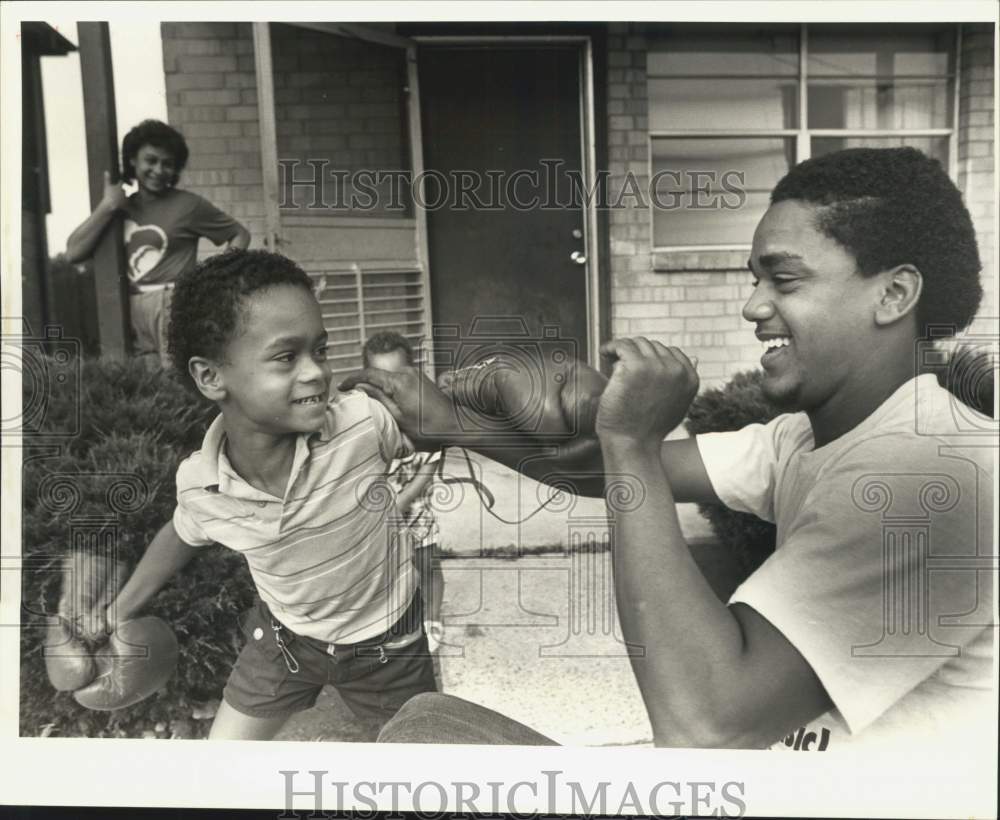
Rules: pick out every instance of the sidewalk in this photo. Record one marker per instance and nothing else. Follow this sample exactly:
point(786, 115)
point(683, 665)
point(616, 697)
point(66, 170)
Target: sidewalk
point(535, 638)
point(532, 634)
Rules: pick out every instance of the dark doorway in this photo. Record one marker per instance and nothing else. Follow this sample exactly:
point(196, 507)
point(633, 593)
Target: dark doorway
point(495, 111)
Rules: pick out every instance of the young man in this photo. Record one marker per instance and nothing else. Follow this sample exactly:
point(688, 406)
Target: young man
point(870, 624)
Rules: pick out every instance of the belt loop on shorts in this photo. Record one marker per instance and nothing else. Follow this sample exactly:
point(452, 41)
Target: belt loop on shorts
point(290, 662)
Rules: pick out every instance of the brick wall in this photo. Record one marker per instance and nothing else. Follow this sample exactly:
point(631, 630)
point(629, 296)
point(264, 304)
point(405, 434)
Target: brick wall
point(343, 105)
point(212, 99)
point(976, 150)
point(691, 300)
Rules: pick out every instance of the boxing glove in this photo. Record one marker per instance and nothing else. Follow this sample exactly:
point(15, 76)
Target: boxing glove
point(551, 400)
point(68, 660)
point(104, 672)
point(137, 660)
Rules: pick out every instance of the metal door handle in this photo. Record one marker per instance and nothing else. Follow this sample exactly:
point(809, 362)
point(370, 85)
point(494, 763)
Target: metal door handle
point(578, 257)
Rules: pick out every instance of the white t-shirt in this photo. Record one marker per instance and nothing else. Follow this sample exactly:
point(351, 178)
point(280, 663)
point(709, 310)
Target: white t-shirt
point(882, 575)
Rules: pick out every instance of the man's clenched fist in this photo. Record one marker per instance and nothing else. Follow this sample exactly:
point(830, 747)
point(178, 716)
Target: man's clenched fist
point(649, 393)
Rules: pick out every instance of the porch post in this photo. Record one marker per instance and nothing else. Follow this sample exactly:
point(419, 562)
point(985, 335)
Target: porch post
point(102, 155)
point(268, 133)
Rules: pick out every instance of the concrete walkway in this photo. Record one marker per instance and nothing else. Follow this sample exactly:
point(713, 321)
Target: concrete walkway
point(535, 638)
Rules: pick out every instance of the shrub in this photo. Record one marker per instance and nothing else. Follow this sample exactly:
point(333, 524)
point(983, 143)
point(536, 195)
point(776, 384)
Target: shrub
point(734, 405)
point(113, 484)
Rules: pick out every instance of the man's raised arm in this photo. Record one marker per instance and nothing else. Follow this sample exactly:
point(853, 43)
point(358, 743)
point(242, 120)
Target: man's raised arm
point(542, 430)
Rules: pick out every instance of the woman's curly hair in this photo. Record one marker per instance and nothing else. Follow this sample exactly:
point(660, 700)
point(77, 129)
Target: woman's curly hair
point(209, 302)
point(895, 206)
point(159, 135)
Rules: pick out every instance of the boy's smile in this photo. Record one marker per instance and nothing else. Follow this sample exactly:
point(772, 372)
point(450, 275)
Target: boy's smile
point(276, 374)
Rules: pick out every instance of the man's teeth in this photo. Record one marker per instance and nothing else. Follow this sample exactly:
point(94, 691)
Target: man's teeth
point(309, 400)
point(773, 344)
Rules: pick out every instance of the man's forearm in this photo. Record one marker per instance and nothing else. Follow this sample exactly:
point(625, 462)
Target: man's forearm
point(575, 464)
point(692, 642)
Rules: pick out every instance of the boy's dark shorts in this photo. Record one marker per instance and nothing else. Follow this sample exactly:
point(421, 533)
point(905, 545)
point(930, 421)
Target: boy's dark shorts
point(374, 681)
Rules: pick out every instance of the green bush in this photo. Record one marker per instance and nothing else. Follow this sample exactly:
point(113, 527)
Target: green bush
point(734, 405)
point(113, 484)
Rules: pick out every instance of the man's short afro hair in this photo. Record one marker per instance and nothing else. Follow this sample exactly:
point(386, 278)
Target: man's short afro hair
point(209, 301)
point(893, 206)
point(386, 341)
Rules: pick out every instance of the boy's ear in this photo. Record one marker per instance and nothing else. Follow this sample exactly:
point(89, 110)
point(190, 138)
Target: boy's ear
point(207, 377)
point(902, 286)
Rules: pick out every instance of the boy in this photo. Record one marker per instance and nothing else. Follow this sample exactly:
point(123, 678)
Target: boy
point(410, 477)
point(294, 479)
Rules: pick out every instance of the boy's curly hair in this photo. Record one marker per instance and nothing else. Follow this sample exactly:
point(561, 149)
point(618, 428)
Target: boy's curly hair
point(159, 135)
point(892, 206)
point(386, 341)
point(209, 300)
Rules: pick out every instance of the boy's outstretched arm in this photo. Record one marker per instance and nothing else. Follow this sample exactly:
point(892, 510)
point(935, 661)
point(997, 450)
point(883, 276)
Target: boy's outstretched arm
point(165, 557)
point(434, 419)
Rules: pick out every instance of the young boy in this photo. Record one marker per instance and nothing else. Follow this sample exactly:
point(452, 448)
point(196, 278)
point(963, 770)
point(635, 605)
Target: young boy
point(293, 478)
point(410, 477)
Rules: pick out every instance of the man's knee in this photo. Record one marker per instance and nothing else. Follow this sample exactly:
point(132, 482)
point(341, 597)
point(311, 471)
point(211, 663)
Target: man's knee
point(418, 720)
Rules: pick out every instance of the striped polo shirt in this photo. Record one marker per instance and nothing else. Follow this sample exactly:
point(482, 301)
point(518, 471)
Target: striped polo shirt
point(329, 559)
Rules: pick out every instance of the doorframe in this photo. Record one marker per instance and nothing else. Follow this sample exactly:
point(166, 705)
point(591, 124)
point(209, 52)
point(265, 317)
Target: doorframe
point(264, 69)
point(588, 155)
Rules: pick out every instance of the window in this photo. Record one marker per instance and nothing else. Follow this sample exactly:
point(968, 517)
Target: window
point(732, 108)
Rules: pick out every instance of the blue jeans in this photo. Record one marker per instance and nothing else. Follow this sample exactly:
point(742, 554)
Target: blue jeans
point(437, 718)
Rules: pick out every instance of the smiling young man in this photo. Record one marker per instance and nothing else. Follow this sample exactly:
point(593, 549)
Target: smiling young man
point(871, 623)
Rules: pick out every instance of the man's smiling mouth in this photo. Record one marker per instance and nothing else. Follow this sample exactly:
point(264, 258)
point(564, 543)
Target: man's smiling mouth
point(775, 343)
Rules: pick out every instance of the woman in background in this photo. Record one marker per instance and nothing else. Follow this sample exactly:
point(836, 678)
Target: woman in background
point(162, 226)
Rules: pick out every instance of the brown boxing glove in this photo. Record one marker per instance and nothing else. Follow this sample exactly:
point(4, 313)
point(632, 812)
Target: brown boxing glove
point(139, 659)
point(104, 671)
point(68, 660)
point(558, 398)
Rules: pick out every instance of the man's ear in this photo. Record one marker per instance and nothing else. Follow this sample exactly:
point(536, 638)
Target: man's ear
point(207, 377)
point(902, 286)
